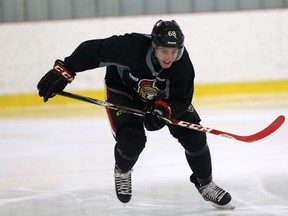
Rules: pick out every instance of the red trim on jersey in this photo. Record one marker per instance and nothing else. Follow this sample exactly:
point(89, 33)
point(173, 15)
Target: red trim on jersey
point(108, 111)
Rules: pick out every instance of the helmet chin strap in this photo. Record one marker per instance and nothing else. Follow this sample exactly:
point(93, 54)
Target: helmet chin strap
point(154, 58)
point(155, 62)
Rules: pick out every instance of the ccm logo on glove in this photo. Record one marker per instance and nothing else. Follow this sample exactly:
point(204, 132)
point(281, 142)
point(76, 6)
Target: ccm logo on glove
point(61, 70)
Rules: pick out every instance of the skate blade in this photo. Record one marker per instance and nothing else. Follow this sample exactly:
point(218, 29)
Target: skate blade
point(227, 206)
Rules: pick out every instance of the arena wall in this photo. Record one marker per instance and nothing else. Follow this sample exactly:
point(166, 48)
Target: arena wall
point(232, 52)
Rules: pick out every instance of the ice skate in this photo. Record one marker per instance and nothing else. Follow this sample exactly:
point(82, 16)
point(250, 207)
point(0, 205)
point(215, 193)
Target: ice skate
point(218, 197)
point(123, 185)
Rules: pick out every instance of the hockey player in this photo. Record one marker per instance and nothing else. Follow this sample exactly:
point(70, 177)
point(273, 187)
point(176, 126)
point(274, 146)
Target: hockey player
point(145, 72)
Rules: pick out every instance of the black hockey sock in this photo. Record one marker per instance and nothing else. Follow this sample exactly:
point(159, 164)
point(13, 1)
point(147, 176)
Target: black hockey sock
point(124, 163)
point(200, 164)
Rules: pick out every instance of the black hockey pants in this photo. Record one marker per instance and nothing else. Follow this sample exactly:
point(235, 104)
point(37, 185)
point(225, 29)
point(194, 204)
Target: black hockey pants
point(129, 133)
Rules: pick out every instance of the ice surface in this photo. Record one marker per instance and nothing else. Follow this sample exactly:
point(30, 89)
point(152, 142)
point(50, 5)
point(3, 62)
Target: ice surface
point(64, 166)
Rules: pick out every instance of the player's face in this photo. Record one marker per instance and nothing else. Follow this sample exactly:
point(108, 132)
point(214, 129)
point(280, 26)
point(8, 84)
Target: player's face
point(166, 56)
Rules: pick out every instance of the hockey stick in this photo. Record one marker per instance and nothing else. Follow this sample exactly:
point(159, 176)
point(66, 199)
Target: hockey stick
point(250, 138)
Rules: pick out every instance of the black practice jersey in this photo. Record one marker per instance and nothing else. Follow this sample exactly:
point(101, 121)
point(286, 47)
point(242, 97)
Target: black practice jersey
point(131, 71)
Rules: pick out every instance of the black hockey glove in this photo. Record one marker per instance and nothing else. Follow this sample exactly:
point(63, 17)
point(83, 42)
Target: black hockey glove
point(55, 80)
point(152, 122)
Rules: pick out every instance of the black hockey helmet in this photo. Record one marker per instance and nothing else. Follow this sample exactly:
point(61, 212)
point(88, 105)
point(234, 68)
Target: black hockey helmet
point(168, 34)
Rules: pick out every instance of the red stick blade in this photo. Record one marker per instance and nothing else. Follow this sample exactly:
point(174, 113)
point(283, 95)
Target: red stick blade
point(267, 131)
point(257, 136)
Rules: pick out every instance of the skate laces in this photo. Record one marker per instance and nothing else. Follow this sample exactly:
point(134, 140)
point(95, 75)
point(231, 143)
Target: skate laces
point(213, 192)
point(123, 182)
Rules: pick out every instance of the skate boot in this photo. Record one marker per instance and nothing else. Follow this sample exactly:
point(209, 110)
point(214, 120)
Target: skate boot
point(123, 185)
point(211, 192)
point(216, 195)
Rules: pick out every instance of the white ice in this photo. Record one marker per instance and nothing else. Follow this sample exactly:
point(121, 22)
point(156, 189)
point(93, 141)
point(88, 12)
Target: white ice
point(64, 167)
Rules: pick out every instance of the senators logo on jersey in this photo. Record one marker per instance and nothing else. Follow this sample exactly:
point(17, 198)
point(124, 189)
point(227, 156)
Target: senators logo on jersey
point(148, 90)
